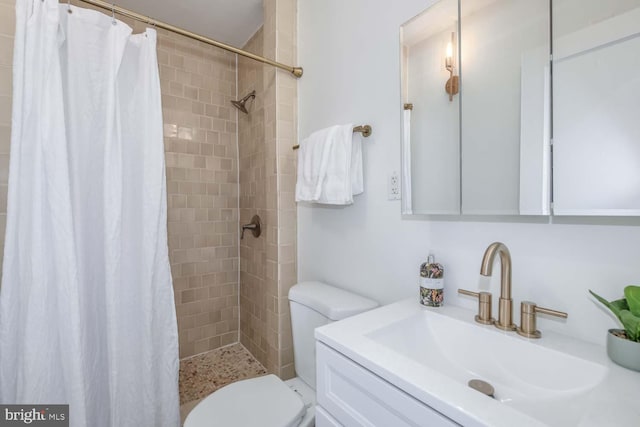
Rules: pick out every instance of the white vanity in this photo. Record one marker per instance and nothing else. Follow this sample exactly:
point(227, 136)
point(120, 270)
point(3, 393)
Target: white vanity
point(408, 365)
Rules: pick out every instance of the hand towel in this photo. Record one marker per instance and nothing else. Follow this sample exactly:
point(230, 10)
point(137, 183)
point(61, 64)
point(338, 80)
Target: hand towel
point(337, 186)
point(313, 158)
point(357, 179)
point(328, 167)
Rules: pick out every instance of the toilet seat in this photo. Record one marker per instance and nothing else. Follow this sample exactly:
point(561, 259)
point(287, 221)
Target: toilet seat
point(257, 402)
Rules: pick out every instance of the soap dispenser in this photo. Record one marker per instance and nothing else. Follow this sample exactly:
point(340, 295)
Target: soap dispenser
point(431, 283)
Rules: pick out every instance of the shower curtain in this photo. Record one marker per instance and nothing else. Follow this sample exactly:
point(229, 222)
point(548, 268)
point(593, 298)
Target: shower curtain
point(87, 315)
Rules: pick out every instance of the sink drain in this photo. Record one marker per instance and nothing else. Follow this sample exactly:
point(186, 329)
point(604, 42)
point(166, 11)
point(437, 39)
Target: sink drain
point(483, 387)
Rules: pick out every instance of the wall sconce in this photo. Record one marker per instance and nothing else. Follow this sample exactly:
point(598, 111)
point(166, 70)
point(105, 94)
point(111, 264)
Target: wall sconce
point(452, 87)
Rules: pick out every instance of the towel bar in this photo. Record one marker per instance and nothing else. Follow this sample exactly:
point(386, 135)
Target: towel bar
point(364, 129)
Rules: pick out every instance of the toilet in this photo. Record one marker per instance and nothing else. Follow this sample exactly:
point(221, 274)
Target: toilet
point(268, 401)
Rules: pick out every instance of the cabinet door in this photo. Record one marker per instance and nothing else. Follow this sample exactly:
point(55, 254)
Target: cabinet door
point(596, 126)
point(323, 419)
point(504, 106)
point(356, 397)
point(431, 119)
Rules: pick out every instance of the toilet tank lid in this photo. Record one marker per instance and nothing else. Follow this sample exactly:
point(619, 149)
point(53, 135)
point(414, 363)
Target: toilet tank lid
point(331, 302)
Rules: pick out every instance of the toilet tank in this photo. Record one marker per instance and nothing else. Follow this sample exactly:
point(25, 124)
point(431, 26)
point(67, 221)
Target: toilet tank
point(314, 304)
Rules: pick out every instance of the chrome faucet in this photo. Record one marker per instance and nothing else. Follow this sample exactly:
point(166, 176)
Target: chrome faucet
point(505, 304)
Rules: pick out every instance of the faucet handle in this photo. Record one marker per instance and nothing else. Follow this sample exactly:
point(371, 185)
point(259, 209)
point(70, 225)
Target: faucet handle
point(528, 311)
point(484, 306)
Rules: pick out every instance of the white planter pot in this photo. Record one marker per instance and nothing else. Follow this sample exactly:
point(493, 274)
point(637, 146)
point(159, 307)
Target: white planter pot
point(622, 351)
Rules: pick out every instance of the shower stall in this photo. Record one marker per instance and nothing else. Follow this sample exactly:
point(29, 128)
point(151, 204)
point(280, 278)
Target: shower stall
point(230, 123)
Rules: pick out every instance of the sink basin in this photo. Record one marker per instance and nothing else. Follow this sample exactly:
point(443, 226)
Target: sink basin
point(431, 354)
point(526, 375)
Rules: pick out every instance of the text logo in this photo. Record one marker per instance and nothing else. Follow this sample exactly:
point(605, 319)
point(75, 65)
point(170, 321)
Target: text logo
point(34, 415)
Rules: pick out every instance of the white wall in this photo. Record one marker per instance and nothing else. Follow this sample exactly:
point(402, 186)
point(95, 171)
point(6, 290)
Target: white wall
point(350, 54)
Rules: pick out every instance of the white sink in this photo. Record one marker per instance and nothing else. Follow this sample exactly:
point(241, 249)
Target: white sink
point(524, 375)
point(431, 354)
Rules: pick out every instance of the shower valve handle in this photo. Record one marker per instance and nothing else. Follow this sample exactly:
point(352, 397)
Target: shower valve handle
point(254, 226)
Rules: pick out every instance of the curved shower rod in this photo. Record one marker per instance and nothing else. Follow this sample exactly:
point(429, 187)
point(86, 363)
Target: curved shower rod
point(296, 71)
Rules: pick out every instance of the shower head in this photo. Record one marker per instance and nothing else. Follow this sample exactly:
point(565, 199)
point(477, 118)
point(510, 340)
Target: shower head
point(240, 104)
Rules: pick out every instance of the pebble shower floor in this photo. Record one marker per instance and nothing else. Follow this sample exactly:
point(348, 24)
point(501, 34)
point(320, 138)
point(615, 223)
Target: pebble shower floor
point(205, 373)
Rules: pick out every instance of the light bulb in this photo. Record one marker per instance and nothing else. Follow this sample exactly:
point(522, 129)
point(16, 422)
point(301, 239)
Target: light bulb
point(448, 58)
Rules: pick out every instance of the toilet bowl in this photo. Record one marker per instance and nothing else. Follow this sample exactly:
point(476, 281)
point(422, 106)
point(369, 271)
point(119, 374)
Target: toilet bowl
point(268, 401)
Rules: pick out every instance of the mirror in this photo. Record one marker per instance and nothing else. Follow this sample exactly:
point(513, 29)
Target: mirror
point(476, 73)
point(431, 119)
point(596, 107)
point(505, 106)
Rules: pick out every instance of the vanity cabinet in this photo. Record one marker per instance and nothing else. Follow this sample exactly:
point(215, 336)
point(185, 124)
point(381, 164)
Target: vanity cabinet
point(596, 131)
point(350, 395)
point(483, 147)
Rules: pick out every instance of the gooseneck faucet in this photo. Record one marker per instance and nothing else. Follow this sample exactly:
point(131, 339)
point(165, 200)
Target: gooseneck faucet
point(505, 304)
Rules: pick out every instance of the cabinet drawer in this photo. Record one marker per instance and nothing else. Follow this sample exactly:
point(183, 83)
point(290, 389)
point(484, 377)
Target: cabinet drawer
point(355, 396)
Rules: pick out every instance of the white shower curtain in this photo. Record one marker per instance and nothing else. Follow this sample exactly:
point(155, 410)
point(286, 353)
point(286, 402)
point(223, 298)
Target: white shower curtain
point(87, 314)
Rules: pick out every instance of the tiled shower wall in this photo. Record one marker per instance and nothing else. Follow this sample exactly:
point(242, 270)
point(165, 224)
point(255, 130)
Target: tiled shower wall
point(280, 28)
point(257, 305)
point(267, 184)
point(198, 81)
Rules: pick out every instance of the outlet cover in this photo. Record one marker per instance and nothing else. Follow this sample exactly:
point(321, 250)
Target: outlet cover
point(393, 186)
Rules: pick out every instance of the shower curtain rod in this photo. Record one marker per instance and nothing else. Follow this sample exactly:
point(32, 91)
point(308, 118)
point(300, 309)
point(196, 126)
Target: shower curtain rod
point(296, 71)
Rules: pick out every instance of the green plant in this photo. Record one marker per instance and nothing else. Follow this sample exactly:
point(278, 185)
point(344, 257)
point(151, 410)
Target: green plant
point(627, 310)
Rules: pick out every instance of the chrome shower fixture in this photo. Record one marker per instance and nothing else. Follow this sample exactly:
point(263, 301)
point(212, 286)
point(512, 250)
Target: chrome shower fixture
point(240, 105)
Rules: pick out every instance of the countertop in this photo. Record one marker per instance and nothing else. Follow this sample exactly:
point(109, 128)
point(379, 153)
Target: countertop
point(614, 401)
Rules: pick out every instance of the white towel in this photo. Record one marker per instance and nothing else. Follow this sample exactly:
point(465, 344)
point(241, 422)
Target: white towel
point(330, 167)
point(357, 180)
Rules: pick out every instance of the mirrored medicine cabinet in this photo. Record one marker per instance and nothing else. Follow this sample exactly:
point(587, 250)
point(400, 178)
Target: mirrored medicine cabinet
point(522, 107)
